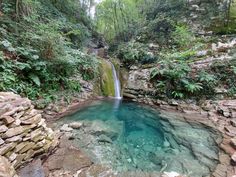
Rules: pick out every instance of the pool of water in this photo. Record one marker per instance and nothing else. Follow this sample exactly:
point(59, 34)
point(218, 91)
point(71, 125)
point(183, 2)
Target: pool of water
point(127, 136)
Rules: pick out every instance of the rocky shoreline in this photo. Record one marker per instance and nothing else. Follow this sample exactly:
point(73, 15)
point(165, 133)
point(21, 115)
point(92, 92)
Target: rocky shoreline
point(218, 114)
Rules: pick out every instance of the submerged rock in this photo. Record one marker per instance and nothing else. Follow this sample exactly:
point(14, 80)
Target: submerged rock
point(99, 127)
point(104, 139)
point(66, 128)
point(76, 125)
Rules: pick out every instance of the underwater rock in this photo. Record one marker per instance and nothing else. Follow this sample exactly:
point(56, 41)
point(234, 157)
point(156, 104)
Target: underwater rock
point(76, 125)
point(104, 139)
point(66, 128)
point(99, 127)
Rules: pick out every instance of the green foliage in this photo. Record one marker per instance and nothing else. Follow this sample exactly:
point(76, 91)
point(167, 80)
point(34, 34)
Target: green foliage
point(226, 75)
point(158, 30)
point(182, 36)
point(118, 19)
point(176, 80)
point(39, 47)
point(134, 52)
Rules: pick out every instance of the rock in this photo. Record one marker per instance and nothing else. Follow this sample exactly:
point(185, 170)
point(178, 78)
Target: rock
point(1, 141)
point(104, 139)
point(13, 132)
point(6, 148)
point(36, 135)
point(34, 169)
point(29, 145)
point(128, 95)
point(101, 128)
point(201, 53)
point(166, 144)
point(3, 128)
point(173, 103)
point(233, 159)
point(76, 125)
point(233, 122)
point(34, 120)
point(133, 67)
point(233, 142)
point(8, 119)
point(70, 136)
point(170, 174)
point(231, 130)
point(14, 139)
point(6, 169)
point(12, 157)
point(66, 128)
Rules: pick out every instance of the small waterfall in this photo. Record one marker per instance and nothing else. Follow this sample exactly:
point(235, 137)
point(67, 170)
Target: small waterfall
point(116, 83)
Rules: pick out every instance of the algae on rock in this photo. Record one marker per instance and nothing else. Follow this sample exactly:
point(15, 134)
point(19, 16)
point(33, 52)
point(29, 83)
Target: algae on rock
point(106, 80)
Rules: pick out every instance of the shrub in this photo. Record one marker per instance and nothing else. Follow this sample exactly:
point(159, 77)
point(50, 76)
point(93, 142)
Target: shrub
point(135, 52)
point(175, 79)
point(182, 36)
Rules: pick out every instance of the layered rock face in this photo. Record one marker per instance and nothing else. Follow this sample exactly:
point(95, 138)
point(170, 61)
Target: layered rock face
point(23, 132)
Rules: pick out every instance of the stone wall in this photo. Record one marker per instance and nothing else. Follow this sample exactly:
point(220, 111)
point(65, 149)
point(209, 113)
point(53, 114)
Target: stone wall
point(23, 132)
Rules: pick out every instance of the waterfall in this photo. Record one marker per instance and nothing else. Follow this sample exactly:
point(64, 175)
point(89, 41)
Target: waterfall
point(116, 82)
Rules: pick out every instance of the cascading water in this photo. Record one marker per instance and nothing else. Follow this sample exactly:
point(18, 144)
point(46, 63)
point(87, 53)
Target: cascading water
point(116, 83)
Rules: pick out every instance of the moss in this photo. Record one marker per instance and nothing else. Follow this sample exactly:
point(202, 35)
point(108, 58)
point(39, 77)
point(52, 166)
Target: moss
point(107, 81)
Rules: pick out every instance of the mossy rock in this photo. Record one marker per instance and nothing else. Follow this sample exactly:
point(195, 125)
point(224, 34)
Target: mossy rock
point(107, 81)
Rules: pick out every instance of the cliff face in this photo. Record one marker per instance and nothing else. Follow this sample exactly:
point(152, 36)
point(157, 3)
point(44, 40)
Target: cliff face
point(23, 132)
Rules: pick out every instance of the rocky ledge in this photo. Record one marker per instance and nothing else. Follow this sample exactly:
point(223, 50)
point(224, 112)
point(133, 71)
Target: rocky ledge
point(23, 133)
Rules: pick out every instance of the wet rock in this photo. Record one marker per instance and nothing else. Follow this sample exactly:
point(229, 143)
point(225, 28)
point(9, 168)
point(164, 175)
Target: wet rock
point(98, 128)
point(66, 128)
point(76, 125)
point(104, 139)
point(34, 169)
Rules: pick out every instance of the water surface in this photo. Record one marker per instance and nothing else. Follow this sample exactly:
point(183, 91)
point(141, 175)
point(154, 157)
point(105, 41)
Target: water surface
point(127, 136)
